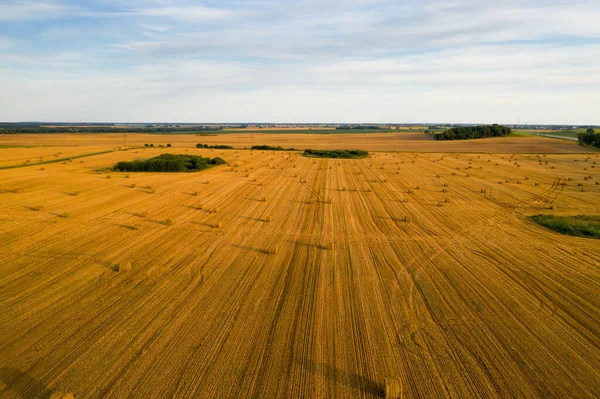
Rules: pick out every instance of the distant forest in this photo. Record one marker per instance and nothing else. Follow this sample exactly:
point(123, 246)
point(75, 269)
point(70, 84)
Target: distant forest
point(473, 132)
point(35, 128)
point(358, 127)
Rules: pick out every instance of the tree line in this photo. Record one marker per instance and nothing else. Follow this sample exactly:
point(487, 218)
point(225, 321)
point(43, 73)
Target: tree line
point(270, 148)
point(216, 147)
point(473, 132)
point(169, 163)
point(10, 128)
point(589, 138)
point(347, 154)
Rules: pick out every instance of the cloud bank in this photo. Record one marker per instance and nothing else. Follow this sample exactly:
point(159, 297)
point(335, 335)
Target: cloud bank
point(300, 61)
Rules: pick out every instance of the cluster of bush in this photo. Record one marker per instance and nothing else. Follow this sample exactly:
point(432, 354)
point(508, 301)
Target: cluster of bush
point(580, 225)
point(473, 132)
point(159, 146)
point(349, 154)
point(169, 163)
point(216, 147)
point(270, 148)
point(590, 138)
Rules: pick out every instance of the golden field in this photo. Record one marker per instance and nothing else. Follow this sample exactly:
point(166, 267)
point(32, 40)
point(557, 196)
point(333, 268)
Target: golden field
point(281, 276)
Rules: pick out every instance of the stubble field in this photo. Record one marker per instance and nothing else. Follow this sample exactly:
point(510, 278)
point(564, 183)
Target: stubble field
point(281, 276)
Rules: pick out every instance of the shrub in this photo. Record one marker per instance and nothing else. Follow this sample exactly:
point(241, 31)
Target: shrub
point(168, 145)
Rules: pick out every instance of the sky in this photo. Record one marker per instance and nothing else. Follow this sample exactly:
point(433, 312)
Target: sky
point(301, 61)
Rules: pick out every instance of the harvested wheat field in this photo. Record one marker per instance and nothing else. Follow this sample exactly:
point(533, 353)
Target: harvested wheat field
point(415, 274)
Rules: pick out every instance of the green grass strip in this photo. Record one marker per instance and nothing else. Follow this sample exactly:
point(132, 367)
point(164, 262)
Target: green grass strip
point(579, 225)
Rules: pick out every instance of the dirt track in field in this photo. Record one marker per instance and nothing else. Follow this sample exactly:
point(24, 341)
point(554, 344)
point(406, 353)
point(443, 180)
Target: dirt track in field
point(420, 267)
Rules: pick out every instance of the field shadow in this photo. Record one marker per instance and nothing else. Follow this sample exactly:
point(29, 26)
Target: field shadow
point(195, 208)
point(60, 215)
point(310, 245)
point(203, 224)
point(23, 385)
point(253, 219)
point(393, 219)
point(127, 226)
point(161, 222)
point(352, 380)
point(108, 265)
point(252, 249)
point(137, 214)
point(302, 202)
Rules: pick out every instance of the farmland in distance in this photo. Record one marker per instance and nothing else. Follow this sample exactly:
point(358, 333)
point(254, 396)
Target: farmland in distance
point(282, 276)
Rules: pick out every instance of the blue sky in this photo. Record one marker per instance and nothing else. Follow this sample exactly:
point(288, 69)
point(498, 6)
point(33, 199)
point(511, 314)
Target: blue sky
point(300, 61)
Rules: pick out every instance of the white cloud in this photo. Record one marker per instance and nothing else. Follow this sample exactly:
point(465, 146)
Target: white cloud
point(192, 13)
point(33, 10)
point(307, 60)
point(475, 84)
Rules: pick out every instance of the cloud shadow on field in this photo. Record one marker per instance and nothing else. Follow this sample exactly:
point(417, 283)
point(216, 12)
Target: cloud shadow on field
point(23, 385)
point(352, 380)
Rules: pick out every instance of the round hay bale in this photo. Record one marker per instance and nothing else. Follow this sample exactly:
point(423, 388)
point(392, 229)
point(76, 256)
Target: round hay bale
point(124, 267)
point(393, 388)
